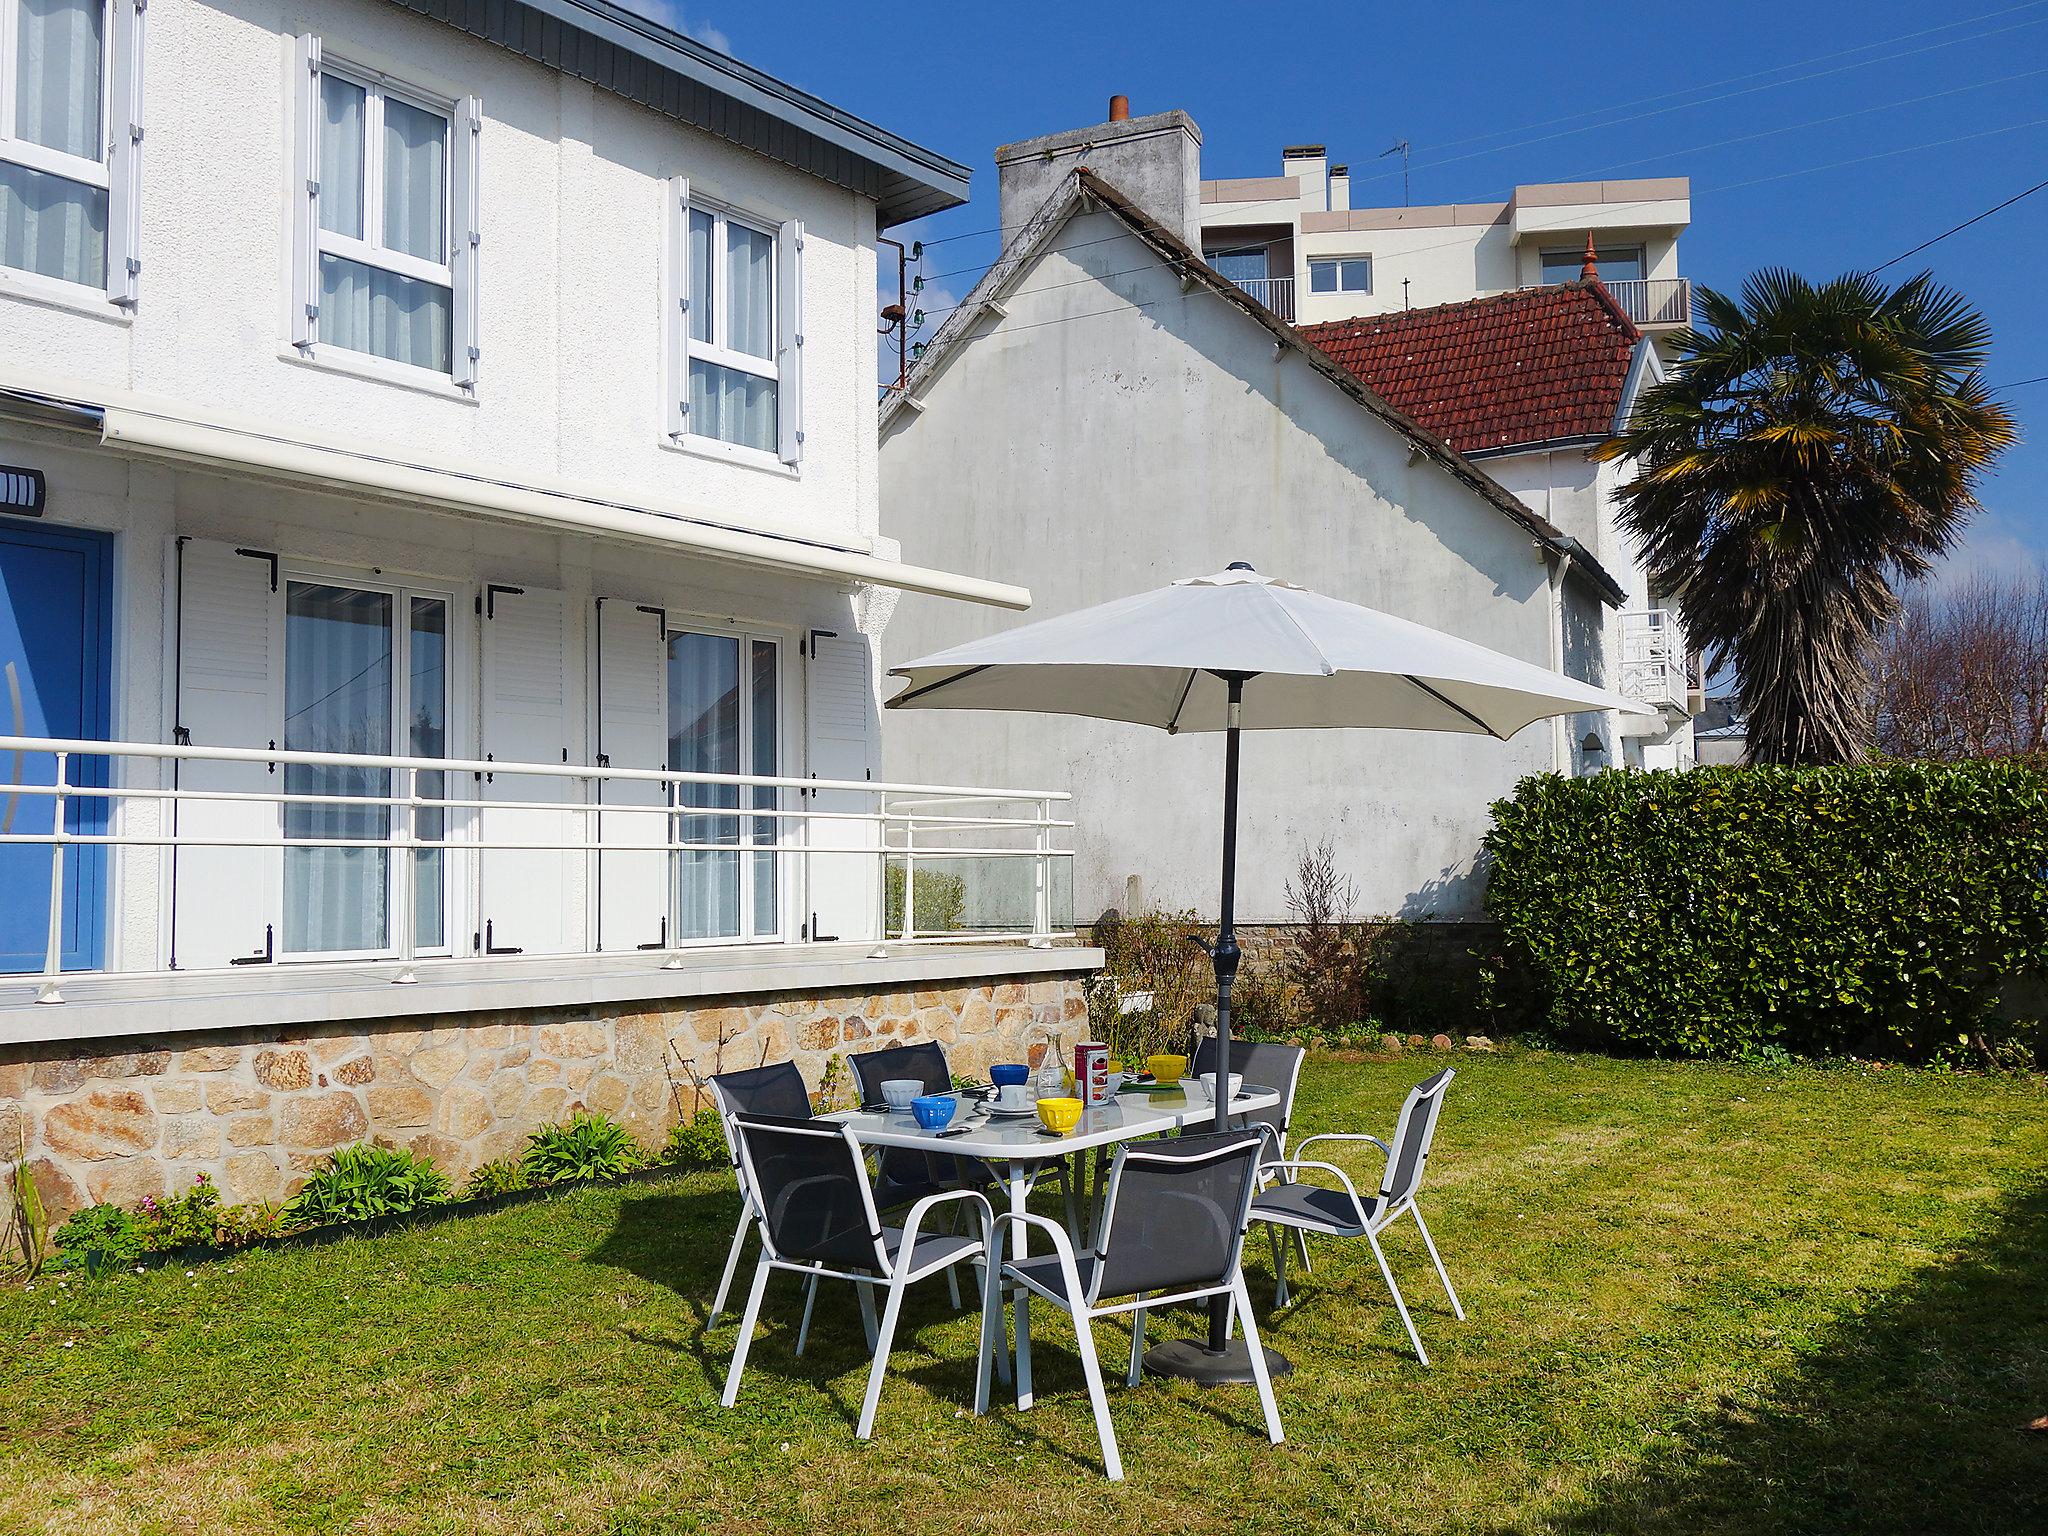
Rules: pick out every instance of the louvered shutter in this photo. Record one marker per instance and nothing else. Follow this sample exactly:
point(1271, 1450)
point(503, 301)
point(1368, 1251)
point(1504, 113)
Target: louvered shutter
point(789, 341)
point(124, 155)
point(532, 897)
point(632, 732)
point(230, 657)
point(840, 742)
point(305, 316)
point(466, 237)
point(676, 310)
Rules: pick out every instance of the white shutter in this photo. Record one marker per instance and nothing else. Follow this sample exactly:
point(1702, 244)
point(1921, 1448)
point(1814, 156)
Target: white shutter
point(531, 896)
point(466, 238)
point(632, 732)
point(789, 341)
point(840, 742)
point(124, 156)
point(229, 694)
point(676, 310)
point(305, 316)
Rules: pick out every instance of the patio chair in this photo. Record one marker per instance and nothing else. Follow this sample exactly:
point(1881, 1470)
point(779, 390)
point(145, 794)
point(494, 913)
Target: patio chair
point(1344, 1212)
point(1172, 1231)
point(816, 1211)
point(778, 1090)
point(1264, 1064)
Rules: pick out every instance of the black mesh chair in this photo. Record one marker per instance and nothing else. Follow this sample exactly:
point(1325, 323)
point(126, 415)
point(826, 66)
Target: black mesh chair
point(1263, 1064)
point(1345, 1213)
point(1172, 1231)
point(778, 1090)
point(817, 1217)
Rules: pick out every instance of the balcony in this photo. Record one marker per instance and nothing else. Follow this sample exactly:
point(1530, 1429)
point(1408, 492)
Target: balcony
point(1654, 303)
point(1655, 664)
point(1276, 293)
point(408, 856)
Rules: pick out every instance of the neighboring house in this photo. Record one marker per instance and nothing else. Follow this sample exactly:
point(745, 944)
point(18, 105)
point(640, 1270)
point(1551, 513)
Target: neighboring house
point(1524, 384)
point(1302, 248)
point(1104, 413)
point(1721, 734)
point(432, 383)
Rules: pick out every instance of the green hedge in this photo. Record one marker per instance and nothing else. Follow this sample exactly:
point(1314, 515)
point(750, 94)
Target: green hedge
point(941, 901)
point(1817, 910)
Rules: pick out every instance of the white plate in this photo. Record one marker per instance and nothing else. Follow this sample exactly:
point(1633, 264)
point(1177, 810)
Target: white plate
point(1001, 1112)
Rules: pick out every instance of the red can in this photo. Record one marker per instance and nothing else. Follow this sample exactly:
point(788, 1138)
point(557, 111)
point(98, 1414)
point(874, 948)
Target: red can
point(1091, 1073)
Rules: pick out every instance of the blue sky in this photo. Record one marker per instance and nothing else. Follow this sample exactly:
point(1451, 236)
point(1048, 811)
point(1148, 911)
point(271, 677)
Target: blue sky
point(1819, 134)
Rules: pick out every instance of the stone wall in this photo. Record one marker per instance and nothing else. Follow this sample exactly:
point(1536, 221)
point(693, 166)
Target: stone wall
point(258, 1109)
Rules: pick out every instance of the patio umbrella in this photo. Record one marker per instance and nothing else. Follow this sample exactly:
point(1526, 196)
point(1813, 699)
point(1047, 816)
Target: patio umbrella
point(1240, 651)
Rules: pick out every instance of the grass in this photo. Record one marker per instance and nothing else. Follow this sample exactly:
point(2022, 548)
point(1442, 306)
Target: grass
point(1702, 1299)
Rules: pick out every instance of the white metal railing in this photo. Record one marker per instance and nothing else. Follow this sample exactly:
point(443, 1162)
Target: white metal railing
point(1654, 302)
point(1654, 660)
point(900, 826)
point(1276, 293)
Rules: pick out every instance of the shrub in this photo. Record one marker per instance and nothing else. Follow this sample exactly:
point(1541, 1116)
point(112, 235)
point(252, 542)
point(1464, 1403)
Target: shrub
point(586, 1146)
point(1154, 952)
point(364, 1181)
point(699, 1139)
point(941, 901)
point(237, 1226)
point(500, 1176)
point(1816, 910)
point(180, 1221)
point(96, 1238)
point(1327, 962)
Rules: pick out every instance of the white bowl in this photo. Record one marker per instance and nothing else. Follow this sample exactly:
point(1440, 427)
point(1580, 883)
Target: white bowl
point(897, 1092)
point(1208, 1082)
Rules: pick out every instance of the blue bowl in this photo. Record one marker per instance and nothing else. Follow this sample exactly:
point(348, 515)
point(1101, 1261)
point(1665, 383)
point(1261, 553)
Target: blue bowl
point(1009, 1072)
point(933, 1111)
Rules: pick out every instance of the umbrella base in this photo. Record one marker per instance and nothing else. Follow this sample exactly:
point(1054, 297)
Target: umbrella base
point(1192, 1360)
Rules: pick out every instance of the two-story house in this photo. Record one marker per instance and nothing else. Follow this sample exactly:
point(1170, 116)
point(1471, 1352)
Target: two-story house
point(438, 535)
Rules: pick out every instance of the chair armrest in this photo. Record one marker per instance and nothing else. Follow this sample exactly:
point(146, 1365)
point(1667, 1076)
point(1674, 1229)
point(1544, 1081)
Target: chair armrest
point(1062, 1247)
point(915, 1219)
point(1303, 1146)
point(1295, 1165)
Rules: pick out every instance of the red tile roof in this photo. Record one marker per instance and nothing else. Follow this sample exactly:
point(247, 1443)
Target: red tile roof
point(1525, 367)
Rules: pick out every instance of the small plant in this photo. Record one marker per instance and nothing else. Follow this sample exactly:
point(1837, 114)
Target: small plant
point(586, 1146)
point(500, 1176)
point(364, 1181)
point(835, 1087)
point(240, 1225)
point(180, 1221)
point(1328, 964)
point(1155, 953)
point(28, 1227)
point(697, 1140)
point(97, 1238)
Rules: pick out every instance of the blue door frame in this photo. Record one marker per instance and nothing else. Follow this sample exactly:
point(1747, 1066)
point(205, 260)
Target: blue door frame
point(56, 610)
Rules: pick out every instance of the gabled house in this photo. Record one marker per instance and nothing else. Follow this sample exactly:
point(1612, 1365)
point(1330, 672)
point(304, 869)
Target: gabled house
point(438, 543)
point(1106, 412)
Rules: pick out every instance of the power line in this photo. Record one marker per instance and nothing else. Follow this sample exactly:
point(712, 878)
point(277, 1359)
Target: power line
point(2039, 378)
point(1958, 229)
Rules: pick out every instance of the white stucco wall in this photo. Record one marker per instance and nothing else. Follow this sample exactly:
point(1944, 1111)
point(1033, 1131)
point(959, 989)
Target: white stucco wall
point(1091, 449)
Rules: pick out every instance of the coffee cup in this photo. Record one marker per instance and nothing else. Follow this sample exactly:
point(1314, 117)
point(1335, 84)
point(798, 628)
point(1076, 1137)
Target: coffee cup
point(1012, 1096)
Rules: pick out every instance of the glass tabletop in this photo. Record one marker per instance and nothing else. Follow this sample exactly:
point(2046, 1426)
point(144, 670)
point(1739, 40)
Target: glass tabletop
point(974, 1132)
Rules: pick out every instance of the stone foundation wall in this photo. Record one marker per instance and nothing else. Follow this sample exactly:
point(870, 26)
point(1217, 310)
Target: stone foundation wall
point(257, 1110)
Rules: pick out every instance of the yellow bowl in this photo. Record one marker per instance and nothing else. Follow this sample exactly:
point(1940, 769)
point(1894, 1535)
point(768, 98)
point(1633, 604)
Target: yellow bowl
point(1060, 1115)
point(1166, 1070)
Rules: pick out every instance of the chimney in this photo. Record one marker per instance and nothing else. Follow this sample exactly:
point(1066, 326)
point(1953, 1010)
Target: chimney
point(1340, 188)
point(1589, 269)
point(1308, 165)
point(1155, 161)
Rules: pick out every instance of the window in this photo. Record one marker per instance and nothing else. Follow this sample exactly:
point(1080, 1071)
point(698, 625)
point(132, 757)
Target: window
point(364, 668)
point(1618, 264)
point(1240, 263)
point(735, 334)
point(1344, 274)
point(388, 233)
point(724, 711)
point(71, 141)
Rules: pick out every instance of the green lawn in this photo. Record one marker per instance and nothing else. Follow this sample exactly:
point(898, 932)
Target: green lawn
point(1702, 1299)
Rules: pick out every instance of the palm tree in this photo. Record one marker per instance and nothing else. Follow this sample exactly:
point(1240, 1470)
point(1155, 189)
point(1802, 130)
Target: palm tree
point(1815, 446)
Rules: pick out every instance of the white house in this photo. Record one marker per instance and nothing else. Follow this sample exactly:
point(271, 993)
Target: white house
point(1106, 413)
point(389, 393)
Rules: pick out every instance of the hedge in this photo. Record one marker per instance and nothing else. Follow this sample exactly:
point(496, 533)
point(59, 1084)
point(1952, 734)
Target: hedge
point(1871, 909)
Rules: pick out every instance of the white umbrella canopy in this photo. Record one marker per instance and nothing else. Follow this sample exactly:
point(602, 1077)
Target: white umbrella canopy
point(1161, 659)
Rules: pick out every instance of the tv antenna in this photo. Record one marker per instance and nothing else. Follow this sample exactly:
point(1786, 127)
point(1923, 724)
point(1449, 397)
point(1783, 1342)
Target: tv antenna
point(1400, 149)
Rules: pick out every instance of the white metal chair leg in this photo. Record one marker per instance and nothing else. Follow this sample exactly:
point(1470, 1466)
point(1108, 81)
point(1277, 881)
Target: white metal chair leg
point(1280, 1292)
point(1243, 1299)
point(1400, 1306)
point(881, 1365)
point(991, 1330)
point(1137, 1372)
point(732, 1265)
point(1091, 1368)
point(952, 1270)
point(746, 1338)
point(1022, 1307)
point(1457, 1310)
point(803, 1332)
point(867, 1314)
point(1301, 1250)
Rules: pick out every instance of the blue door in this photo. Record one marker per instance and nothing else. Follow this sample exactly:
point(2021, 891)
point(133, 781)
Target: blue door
point(54, 650)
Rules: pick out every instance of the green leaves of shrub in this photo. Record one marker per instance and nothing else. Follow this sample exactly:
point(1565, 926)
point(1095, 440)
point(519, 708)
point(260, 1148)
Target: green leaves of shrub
point(96, 1238)
point(366, 1180)
point(586, 1146)
point(697, 1140)
point(500, 1176)
point(1729, 911)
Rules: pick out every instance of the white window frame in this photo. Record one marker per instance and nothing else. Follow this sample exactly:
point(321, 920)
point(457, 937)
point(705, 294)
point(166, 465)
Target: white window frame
point(117, 171)
point(785, 324)
point(1339, 262)
point(460, 211)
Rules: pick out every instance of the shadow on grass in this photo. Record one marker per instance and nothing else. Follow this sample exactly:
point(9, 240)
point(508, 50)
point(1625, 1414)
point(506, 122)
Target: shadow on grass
point(1909, 1418)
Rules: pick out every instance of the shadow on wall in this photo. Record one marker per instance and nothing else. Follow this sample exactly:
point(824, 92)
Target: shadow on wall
point(1456, 891)
point(1909, 1418)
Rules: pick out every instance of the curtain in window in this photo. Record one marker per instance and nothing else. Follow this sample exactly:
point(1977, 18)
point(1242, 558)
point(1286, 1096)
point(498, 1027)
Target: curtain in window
point(337, 698)
point(767, 829)
point(57, 75)
point(750, 291)
point(341, 156)
point(704, 737)
point(52, 225)
point(415, 181)
point(427, 736)
point(732, 405)
point(367, 309)
point(701, 228)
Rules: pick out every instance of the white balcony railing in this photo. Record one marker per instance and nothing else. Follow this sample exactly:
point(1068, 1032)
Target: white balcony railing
point(1276, 293)
point(1654, 658)
point(1654, 303)
point(947, 864)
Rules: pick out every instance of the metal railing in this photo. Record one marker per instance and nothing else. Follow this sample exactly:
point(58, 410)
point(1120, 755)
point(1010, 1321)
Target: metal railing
point(1276, 293)
point(1654, 660)
point(1005, 880)
point(1654, 303)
